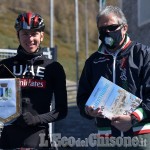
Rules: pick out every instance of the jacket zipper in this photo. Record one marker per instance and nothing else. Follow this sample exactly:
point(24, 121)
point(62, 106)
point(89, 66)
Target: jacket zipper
point(114, 74)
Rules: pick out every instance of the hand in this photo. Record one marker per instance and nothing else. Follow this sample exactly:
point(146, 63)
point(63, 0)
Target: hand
point(122, 122)
point(30, 120)
point(94, 112)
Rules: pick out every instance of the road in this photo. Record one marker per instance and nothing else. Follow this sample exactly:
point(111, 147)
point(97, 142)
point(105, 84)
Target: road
point(74, 125)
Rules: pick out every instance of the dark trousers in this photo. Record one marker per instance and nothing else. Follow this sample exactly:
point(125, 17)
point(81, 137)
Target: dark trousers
point(13, 137)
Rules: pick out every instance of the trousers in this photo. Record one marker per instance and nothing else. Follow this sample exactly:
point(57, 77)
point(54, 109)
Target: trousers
point(14, 136)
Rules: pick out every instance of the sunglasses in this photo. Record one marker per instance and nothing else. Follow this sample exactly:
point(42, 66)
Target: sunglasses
point(112, 27)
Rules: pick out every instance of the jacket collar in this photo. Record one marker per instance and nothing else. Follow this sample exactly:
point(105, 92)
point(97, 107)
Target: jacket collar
point(23, 56)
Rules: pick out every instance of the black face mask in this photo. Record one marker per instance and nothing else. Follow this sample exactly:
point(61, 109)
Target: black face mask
point(111, 39)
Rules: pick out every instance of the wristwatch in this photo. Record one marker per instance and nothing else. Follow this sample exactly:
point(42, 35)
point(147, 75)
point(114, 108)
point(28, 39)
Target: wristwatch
point(134, 120)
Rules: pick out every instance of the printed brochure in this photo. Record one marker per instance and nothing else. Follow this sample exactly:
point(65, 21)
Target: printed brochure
point(112, 99)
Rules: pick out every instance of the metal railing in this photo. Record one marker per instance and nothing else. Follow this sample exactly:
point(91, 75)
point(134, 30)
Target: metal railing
point(6, 53)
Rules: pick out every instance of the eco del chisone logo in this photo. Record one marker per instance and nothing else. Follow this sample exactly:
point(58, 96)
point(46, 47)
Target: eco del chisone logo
point(5, 92)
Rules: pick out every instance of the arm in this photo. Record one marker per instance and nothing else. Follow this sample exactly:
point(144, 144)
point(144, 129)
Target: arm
point(84, 91)
point(60, 96)
point(142, 113)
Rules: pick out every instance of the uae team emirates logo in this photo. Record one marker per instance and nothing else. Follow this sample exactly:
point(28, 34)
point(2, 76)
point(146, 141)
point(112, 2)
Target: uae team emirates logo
point(32, 83)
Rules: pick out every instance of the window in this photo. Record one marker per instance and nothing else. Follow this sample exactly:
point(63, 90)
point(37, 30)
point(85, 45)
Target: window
point(143, 12)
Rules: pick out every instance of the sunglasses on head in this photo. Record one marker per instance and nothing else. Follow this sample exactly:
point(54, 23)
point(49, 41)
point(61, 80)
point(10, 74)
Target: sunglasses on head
point(112, 27)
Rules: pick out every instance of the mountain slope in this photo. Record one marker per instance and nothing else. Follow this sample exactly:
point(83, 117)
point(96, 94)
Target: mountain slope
point(64, 28)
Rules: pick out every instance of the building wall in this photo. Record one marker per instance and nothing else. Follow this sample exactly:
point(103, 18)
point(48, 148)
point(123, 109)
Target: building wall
point(140, 34)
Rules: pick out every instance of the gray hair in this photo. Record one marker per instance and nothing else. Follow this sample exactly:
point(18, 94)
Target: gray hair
point(115, 10)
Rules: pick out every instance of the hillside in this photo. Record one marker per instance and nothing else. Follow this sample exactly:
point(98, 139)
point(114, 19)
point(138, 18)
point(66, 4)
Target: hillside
point(64, 28)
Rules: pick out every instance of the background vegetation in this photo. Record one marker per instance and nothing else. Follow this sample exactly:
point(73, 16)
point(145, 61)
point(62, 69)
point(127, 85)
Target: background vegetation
point(64, 28)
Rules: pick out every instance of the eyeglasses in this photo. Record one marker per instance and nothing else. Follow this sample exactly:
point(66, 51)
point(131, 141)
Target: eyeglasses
point(112, 27)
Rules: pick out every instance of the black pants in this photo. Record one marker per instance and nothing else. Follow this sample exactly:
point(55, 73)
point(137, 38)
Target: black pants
point(13, 137)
